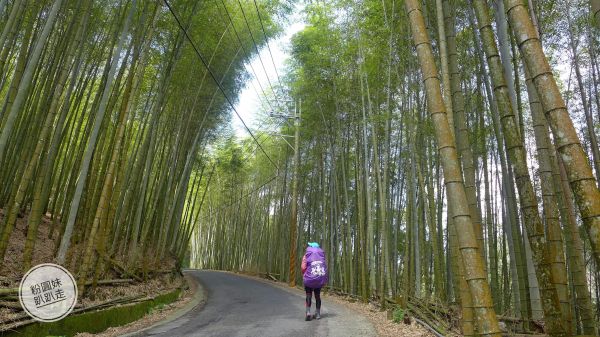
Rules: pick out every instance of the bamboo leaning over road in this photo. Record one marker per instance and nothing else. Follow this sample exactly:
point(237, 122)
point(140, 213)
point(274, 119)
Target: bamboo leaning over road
point(443, 154)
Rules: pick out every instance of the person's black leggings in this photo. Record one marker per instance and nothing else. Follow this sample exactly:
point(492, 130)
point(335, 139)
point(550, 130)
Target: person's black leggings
point(309, 292)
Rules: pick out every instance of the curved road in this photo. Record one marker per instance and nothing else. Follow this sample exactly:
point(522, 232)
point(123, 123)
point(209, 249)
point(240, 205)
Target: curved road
point(239, 306)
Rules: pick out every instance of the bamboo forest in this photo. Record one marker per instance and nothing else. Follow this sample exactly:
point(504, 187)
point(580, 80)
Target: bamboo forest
point(443, 153)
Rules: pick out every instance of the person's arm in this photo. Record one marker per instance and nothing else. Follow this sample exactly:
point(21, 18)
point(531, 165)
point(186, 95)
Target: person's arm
point(303, 264)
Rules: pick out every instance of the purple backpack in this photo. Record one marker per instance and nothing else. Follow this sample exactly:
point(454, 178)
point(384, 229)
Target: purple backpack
point(315, 275)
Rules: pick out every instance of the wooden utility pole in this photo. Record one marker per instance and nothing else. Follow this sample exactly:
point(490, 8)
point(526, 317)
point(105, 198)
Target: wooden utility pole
point(294, 217)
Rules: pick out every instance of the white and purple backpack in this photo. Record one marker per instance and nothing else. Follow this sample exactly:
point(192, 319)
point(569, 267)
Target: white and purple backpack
point(316, 275)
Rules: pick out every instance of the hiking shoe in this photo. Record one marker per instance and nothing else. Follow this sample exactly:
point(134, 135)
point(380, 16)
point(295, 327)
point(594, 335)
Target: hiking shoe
point(317, 315)
point(308, 316)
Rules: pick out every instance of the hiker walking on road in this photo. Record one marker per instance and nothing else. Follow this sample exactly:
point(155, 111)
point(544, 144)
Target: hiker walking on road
point(314, 271)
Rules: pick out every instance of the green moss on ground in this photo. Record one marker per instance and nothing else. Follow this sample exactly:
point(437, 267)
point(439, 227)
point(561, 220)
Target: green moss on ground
point(95, 321)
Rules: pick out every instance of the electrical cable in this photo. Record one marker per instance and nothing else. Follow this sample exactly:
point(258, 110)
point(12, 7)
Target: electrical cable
point(256, 48)
point(267, 42)
point(246, 54)
point(242, 197)
point(215, 80)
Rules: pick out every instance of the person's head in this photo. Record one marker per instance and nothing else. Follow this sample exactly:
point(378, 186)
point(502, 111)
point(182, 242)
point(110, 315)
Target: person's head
point(313, 244)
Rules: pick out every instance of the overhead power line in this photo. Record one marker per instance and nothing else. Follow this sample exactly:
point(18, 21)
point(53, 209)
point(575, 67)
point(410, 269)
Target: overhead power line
point(212, 75)
point(246, 54)
point(243, 196)
point(264, 136)
point(256, 47)
point(267, 42)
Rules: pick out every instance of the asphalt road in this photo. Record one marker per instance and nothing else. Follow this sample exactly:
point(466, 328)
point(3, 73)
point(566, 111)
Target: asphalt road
point(239, 306)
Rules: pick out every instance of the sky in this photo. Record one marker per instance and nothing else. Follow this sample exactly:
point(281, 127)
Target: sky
point(249, 102)
point(251, 96)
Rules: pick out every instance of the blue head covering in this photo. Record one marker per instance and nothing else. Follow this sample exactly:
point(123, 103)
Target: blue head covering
point(313, 244)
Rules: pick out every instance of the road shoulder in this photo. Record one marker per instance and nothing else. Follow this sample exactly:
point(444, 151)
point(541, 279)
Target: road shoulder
point(192, 297)
point(198, 298)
